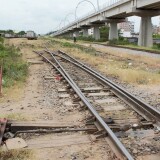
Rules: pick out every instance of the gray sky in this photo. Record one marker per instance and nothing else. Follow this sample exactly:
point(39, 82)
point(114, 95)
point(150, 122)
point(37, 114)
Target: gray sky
point(43, 16)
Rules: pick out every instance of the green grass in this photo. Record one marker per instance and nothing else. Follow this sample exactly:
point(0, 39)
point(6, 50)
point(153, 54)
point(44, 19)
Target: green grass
point(154, 48)
point(124, 43)
point(119, 42)
point(14, 68)
point(14, 116)
point(89, 50)
point(113, 66)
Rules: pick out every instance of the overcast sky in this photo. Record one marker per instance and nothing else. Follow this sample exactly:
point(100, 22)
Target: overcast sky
point(43, 16)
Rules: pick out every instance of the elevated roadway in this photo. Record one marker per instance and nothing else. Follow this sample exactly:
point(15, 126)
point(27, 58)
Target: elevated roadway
point(114, 14)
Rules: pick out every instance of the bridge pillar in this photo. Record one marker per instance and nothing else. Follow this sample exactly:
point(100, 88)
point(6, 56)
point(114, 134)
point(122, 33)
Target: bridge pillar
point(96, 33)
point(71, 34)
point(65, 35)
point(85, 32)
point(145, 34)
point(113, 31)
point(76, 33)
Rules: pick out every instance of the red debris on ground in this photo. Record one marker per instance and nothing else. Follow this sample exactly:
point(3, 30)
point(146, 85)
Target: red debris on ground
point(58, 78)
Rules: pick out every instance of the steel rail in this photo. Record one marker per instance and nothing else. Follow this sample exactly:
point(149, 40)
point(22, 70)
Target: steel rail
point(113, 137)
point(145, 110)
point(3, 123)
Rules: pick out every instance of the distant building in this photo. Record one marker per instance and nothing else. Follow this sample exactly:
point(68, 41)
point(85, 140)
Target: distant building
point(126, 28)
point(159, 30)
point(7, 35)
point(155, 29)
point(125, 33)
point(90, 31)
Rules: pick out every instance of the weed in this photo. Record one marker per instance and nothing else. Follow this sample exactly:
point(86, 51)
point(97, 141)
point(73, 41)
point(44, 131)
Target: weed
point(89, 38)
point(156, 46)
point(1, 40)
point(13, 116)
point(114, 67)
point(88, 50)
point(16, 154)
point(14, 68)
point(119, 42)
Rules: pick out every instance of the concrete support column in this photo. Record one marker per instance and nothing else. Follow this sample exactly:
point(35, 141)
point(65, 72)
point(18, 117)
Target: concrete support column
point(145, 34)
point(65, 35)
point(71, 35)
point(68, 35)
point(96, 33)
point(113, 31)
point(85, 32)
point(76, 33)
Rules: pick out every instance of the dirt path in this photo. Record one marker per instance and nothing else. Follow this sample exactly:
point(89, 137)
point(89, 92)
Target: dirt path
point(124, 51)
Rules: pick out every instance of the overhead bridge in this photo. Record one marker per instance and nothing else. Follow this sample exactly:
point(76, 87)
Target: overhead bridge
point(114, 14)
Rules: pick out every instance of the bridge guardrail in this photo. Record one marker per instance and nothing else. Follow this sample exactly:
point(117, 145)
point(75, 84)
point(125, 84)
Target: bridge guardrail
point(102, 7)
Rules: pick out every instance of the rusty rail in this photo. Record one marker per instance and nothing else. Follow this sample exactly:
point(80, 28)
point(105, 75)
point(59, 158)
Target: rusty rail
point(115, 140)
point(142, 108)
point(3, 123)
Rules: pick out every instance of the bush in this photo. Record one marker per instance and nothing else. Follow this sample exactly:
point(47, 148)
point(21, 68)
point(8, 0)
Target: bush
point(101, 40)
point(156, 36)
point(1, 40)
point(156, 46)
point(104, 33)
point(113, 42)
point(120, 41)
point(89, 38)
point(14, 68)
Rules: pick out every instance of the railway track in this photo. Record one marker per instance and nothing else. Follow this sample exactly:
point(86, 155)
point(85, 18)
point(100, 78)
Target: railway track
point(125, 119)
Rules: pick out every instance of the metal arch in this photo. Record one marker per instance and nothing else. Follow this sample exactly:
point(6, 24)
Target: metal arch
point(65, 21)
point(82, 2)
point(67, 17)
point(60, 24)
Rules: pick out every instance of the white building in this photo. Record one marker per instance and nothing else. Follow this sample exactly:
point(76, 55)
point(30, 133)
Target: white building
point(126, 28)
point(90, 32)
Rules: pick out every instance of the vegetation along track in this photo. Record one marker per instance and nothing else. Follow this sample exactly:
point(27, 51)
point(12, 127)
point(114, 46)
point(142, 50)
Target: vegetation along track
point(132, 125)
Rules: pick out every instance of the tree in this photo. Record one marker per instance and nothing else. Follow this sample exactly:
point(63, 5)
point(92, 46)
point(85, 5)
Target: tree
point(2, 31)
point(10, 31)
point(21, 33)
point(104, 33)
